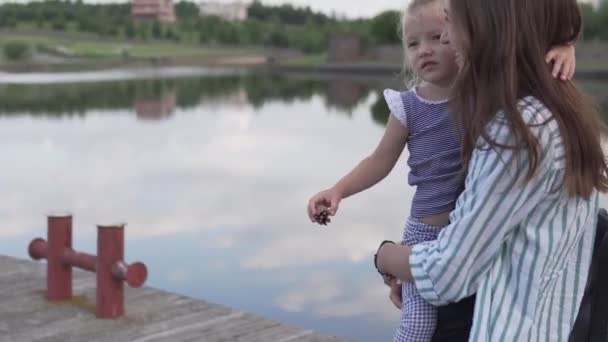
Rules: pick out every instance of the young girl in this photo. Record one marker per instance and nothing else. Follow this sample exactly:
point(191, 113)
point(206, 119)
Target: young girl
point(421, 119)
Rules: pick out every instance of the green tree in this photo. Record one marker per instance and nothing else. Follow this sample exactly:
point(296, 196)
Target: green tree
point(39, 19)
point(591, 29)
point(171, 34)
point(7, 19)
point(385, 27)
point(254, 32)
point(277, 37)
point(228, 33)
point(287, 14)
point(17, 50)
point(208, 28)
point(186, 10)
point(203, 37)
point(130, 30)
point(113, 31)
point(157, 30)
point(143, 31)
point(59, 24)
point(602, 19)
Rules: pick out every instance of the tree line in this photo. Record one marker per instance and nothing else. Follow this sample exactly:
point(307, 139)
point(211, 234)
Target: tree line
point(595, 22)
point(277, 26)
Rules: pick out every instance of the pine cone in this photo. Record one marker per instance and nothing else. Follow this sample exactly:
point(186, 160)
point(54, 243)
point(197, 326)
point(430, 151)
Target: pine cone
point(322, 217)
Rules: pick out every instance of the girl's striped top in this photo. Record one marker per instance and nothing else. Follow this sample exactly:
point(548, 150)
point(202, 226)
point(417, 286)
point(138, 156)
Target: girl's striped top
point(435, 161)
point(523, 246)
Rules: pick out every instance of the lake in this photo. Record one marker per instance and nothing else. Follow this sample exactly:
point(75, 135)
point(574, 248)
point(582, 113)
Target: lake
point(212, 170)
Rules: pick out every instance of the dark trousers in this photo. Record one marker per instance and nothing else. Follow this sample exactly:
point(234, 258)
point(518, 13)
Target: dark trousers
point(454, 321)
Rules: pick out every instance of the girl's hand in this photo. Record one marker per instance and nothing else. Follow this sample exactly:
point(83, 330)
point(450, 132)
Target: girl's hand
point(564, 61)
point(327, 199)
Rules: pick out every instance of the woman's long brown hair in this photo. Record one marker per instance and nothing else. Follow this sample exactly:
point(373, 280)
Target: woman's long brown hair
point(504, 45)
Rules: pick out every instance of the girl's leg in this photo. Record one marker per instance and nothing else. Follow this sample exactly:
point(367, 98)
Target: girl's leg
point(418, 317)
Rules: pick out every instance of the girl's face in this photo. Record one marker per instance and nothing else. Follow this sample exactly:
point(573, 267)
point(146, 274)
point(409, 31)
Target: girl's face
point(452, 35)
point(428, 56)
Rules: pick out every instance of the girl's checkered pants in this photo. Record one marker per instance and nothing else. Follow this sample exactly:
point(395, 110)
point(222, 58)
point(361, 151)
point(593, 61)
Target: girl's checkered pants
point(418, 318)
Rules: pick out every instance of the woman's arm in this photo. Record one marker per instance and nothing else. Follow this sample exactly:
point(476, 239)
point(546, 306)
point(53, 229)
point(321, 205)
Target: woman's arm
point(497, 197)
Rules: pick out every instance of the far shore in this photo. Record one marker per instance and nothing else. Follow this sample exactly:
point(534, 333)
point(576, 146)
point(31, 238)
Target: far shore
point(50, 52)
point(241, 62)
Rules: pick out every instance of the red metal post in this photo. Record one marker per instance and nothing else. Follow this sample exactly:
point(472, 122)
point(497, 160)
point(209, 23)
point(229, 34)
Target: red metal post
point(59, 275)
point(78, 259)
point(110, 290)
point(37, 249)
point(134, 274)
point(108, 264)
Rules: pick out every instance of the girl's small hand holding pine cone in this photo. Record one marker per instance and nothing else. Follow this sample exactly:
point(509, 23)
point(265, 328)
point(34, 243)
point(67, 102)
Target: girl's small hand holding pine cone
point(323, 205)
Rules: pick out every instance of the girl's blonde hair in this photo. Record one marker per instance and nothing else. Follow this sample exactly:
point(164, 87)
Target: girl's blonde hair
point(411, 79)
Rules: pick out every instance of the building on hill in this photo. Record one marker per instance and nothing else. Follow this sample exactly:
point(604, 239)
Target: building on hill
point(344, 47)
point(234, 11)
point(161, 10)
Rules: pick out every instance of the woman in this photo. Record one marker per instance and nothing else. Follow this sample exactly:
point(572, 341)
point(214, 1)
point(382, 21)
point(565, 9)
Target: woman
point(522, 232)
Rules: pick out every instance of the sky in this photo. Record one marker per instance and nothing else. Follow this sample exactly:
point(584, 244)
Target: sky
point(349, 8)
point(340, 7)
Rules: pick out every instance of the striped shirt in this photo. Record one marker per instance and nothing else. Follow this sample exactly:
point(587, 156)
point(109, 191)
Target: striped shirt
point(523, 247)
point(435, 161)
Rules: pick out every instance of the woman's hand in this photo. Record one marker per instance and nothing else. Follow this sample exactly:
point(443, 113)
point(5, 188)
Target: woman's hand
point(395, 290)
point(393, 259)
point(327, 199)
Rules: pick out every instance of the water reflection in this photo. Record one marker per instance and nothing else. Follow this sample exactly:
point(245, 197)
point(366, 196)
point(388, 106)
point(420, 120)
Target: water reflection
point(158, 98)
point(214, 193)
point(346, 94)
point(155, 107)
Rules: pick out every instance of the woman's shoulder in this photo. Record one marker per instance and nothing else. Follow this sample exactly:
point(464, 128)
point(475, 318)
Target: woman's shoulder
point(541, 121)
point(534, 111)
point(535, 114)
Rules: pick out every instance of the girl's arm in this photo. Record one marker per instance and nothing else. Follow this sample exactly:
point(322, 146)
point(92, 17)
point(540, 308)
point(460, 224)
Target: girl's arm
point(367, 173)
point(377, 165)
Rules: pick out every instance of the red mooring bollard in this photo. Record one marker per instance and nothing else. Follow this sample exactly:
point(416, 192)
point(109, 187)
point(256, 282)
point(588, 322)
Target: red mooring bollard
point(110, 269)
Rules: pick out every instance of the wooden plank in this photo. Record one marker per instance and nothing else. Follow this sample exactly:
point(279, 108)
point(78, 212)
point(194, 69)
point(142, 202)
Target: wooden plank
point(137, 324)
point(151, 314)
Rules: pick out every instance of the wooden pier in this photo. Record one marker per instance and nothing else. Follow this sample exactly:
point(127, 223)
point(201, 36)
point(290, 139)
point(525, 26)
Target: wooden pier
point(151, 314)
